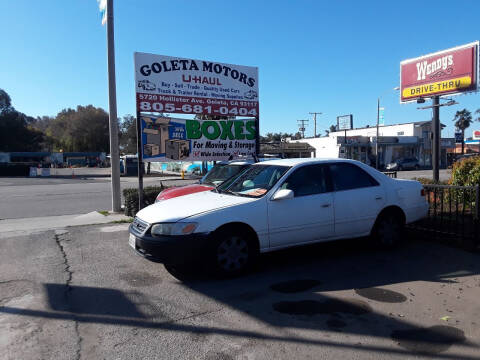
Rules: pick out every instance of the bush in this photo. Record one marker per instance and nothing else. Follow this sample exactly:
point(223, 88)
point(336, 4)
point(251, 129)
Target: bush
point(131, 198)
point(466, 172)
point(428, 181)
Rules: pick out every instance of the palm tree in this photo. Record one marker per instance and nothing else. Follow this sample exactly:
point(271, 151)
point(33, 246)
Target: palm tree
point(463, 119)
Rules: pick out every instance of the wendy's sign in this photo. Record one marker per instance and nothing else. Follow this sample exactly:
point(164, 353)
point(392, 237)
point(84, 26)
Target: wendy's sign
point(446, 72)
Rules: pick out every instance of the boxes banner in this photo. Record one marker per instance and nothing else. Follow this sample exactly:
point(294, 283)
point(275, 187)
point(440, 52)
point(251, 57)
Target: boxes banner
point(447, 72)
point(166, 84)
point(170, 139)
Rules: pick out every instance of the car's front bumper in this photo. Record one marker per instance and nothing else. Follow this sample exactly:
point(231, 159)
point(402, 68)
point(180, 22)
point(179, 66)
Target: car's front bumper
point(181, 249)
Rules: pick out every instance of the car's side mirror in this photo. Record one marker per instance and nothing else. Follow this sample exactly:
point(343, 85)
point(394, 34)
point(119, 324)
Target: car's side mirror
point(283, 194)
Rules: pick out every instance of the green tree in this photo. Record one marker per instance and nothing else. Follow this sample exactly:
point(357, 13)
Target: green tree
point(16, 131)
point(128, 134)
point(333, 128)
point(478, 113)
point(83, 129)
point(463, 119)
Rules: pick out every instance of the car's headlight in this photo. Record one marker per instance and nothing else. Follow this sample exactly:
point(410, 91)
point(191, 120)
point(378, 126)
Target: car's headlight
point(179, 228)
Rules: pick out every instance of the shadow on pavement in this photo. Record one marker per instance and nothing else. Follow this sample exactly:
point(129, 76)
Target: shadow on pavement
point(289, 290)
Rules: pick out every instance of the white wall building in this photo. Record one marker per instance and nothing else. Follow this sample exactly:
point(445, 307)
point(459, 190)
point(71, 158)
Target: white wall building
point(395, 141)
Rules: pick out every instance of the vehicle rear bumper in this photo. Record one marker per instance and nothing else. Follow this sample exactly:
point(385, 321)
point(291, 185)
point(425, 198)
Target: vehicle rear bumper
point(416, 212)
point(172, 249)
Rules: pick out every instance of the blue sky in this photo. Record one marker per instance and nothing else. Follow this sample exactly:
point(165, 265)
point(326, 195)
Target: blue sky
point(335, 57)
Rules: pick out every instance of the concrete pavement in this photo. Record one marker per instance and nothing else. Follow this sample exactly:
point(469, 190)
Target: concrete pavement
point(81, 293)
point(15, 227)
point(39, 197)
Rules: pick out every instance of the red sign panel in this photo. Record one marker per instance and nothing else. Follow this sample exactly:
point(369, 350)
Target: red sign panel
point(192, 105)
point(446, 72)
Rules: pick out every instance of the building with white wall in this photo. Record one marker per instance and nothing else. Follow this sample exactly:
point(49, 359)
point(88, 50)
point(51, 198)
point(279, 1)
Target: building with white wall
point(394, 142)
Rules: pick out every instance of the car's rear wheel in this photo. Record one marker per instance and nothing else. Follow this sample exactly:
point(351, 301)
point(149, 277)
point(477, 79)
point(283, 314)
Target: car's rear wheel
point(233, 252)
point(388, 230)
point(400, 168)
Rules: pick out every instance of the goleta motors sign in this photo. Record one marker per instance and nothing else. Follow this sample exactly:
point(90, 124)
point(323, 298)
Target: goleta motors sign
point(176, 85)
point(447, 72)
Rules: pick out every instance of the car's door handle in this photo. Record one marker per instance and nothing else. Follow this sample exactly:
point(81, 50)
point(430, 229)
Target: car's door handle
point(378, 198)
point(326, 205)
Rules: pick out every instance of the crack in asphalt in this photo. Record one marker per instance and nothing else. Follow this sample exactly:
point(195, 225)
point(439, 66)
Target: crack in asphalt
point(59, 238)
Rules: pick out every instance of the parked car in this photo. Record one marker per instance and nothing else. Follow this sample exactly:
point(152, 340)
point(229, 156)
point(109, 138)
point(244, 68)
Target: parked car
point(275, 205)
point(404, 164)
point(221, 172)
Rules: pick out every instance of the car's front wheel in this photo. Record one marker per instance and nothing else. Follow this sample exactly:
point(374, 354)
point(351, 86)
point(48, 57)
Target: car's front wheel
point(388, 230)
point(233, 253)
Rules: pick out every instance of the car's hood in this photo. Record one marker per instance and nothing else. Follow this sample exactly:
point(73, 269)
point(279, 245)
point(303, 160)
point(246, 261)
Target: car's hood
point(182, 190)
point(185, 206)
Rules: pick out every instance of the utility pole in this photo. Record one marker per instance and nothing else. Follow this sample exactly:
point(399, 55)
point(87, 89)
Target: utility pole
point(436, 134)
point(112, 106)
point(315, 122)
point(301, 127)
point(376, 140)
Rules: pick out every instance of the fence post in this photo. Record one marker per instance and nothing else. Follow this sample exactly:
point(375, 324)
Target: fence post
point(477, 201)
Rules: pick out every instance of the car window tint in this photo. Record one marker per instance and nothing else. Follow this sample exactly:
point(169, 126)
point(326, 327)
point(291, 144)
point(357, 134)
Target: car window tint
point(307, 180)
point(348, 176)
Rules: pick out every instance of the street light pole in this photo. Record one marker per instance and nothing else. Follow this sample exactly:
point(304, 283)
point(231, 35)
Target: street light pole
point(378, 123)
point(315, 122)
point(376, 139)
point(112, 107)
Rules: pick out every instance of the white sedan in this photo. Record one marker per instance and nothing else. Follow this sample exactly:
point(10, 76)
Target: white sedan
point(274, 205)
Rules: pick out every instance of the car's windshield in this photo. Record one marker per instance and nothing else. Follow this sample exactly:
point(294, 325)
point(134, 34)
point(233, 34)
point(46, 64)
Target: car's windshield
point(256, 180)
point(222, 172)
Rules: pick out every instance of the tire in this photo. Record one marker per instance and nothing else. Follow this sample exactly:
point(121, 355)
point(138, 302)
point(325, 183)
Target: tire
point(388, 230)
point(233, 253)
point(400, 168)
point(417, 167)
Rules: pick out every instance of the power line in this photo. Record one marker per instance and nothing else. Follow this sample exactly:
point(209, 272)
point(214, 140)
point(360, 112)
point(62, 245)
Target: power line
point(315, 122)
point(301, 126)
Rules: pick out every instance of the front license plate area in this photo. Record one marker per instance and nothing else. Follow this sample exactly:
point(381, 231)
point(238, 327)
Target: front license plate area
point(131, 241)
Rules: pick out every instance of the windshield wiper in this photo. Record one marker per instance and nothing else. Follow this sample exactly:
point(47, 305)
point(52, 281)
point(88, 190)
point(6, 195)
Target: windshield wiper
point(229, 192)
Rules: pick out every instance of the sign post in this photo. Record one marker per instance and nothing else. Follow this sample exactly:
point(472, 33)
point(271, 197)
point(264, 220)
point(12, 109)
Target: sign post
point(345, 122)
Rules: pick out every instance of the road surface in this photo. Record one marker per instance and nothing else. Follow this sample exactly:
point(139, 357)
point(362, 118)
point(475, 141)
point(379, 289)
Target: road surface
point(82, 293)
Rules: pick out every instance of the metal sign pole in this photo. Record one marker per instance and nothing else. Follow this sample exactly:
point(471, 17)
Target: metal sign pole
point(112, 107)
point(436, 138)
point(257, 135)
point(140, 161)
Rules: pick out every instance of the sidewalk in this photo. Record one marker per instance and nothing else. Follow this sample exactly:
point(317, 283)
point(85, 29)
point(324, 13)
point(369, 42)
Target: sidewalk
point(13, 227)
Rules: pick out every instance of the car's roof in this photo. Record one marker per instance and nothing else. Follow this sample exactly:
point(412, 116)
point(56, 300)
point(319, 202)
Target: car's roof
point(296, 161)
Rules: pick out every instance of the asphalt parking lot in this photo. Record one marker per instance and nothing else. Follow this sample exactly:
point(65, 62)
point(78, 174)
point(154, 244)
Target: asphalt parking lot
point(81, 293)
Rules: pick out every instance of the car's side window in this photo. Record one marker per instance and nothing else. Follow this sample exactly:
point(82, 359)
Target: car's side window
point(349, 176)
point(307, 180)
